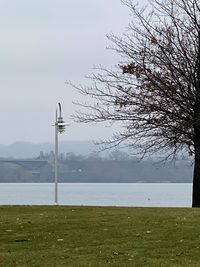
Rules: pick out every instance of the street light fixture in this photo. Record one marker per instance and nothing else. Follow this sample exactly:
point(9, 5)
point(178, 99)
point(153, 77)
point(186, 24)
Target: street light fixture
point(59, 128)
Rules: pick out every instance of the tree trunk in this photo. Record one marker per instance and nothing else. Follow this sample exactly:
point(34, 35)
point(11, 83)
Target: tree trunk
point(196, 184)
point(196, 175)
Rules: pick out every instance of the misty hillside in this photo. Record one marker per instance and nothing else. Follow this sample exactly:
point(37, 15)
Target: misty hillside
point(79, 163)
point(32, 150)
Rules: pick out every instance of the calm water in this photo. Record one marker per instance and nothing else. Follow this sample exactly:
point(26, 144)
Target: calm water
point(100, 194)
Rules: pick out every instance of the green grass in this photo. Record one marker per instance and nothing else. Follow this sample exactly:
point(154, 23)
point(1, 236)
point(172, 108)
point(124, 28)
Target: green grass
point(98, 236)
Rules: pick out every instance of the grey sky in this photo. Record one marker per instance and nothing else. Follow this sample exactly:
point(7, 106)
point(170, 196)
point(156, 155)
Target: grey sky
point(43, 44)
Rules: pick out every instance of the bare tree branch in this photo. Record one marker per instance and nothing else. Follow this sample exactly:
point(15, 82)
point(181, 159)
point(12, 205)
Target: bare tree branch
point(155, 91)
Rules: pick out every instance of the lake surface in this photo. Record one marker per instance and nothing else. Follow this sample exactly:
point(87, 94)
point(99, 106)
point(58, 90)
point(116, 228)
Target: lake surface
point(98, 194)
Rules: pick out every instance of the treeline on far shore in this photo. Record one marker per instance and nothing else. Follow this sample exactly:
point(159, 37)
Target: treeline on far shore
point(117, 168)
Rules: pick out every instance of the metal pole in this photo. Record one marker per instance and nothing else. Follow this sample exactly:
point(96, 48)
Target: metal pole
point(56, 158)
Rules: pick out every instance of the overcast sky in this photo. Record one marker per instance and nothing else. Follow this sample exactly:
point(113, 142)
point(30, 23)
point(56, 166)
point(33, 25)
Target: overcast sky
point(43, 44)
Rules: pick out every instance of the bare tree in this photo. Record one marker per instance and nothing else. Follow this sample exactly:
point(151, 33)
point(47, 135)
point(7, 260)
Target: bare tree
point(155, 90)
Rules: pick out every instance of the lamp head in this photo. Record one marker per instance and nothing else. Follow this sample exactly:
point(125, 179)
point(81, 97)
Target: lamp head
point(61, 125)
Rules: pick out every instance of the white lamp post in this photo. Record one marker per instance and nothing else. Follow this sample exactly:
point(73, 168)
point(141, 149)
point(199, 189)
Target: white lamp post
point(59, 128)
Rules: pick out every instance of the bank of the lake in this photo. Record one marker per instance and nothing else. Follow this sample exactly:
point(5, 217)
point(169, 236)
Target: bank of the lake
point(49, 236)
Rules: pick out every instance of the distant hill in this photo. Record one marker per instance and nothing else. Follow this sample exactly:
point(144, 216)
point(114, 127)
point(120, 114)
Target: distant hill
point(31, 150)
point(90, 168)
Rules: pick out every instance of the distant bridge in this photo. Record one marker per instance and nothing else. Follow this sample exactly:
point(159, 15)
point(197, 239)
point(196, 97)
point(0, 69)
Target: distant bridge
point(29, 164)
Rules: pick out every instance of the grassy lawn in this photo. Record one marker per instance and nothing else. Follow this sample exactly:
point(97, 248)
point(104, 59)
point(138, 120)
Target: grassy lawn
point(98, 236)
